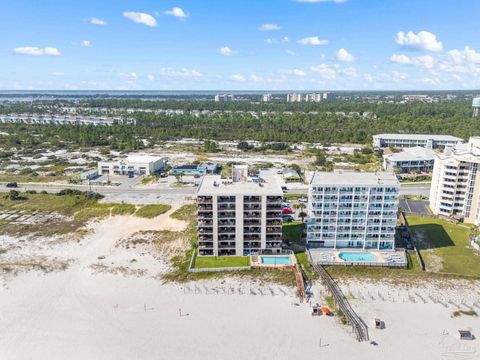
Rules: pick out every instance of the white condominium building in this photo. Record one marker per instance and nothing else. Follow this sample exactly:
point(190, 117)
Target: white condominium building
point(313, 97)
point(411, 140)
point(294, 97)
point(224, 97)
point(240, 215)
point(266, 97)
point(476, 106)
point(455, 189)
point(352, 210)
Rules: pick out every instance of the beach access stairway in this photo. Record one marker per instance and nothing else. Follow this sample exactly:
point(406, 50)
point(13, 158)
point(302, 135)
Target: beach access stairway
point(300, 282)
point(358, 326)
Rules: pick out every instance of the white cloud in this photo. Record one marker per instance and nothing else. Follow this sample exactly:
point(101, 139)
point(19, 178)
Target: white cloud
point(295, 72)
point(349, 71)
point(312, 40)
point(36, 51)
point(467, 55)
point(255, 78)
point(177, 12)
point(58, 73)
point(182, 73)
point(151, 77)
point(96, 21)
point(237, 77)
point(325, 71)
point(226, 51)
point(344, 55)
point(424, 40)
point(291, 53)
point(425, 61)
point(141, 18)
point(400, 59)
point(86, 43)
point(269, 27)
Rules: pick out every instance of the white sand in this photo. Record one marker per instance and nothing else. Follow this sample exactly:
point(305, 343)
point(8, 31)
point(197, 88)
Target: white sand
point(81, 314)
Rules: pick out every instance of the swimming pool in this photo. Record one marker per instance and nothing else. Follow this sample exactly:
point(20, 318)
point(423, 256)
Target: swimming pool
point(276, 260)
point(357, 257)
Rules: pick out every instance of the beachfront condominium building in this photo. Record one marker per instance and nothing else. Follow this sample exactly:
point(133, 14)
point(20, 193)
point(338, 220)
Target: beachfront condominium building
point(240, 215)
point(352, 210)
point(411, 140)
point(329, 96)
point(455, 188)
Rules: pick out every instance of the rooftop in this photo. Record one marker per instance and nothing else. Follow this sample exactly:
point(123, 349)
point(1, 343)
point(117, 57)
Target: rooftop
point(412, 154)
point(141, 158)
point(418, 137)
point(354, 178)
point(215, 185)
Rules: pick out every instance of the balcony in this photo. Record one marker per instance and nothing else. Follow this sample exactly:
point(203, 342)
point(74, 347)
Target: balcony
point(252, 230)
point(205, 200)
point(205, 230)
point(274, 222)
point(226, 230)
point(226, 215)
point(274, 230)
point(226, 199)
point(226, 222)
point(252, 215)
point(250, 222)
point(226, 206)
point(205, 223)
point(252, 207)
point(202, 207)
point(252, 199)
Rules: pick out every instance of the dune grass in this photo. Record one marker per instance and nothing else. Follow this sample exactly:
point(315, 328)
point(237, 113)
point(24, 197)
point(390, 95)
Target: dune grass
point(151, 211)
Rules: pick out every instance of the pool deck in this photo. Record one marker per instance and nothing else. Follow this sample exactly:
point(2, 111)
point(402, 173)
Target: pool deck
point(256, 262)
point(331, 257)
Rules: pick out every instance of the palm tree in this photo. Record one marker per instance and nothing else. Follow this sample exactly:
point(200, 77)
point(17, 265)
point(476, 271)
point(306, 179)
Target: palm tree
point(303, 215)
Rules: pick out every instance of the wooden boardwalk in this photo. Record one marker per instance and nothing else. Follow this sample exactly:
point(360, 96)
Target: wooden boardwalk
point(300, 282)
point(358, 326)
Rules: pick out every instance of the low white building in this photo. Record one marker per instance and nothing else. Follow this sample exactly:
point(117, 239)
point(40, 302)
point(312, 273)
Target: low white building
point(133, 165)
point(224, 98)
point(455, 189)
point(348, 209)
point(267, 97)
point(412, 140)
point(241, 215)
point(415, 159)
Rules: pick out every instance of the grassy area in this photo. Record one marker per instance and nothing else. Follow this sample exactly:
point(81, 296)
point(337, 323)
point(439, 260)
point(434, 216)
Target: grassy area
point(445, 246)
point(292, 232)
point(464, 312)
point(294, 196)
point(221, 261)
point(185, 213)
point(147, 180)
point(151, 211)
point(5, 178)
point(123, 209)
point(304, 263)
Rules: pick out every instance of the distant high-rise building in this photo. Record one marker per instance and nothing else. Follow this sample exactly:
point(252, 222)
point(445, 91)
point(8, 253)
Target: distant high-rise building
point(224, 97)
point(266, 97)
point(329, 96)
point(313, 97)
point(294, 97)
point(476, 106)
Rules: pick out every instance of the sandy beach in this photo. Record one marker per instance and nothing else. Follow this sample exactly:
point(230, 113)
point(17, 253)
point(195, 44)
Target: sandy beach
point(80, 312)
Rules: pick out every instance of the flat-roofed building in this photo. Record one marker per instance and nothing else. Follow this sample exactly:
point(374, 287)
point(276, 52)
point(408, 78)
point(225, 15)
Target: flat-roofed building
point(294, 97)
point(350, 209)
point(267, 97)
point(224, 97)
point(133, 165)
point(455, 189)
point(415, 159)
point(476, 106)
point(313, 97)
point(241, 215)
point(412, 140)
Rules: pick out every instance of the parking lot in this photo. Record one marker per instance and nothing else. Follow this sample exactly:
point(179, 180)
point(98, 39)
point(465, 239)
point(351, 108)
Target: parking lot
point(415, 206)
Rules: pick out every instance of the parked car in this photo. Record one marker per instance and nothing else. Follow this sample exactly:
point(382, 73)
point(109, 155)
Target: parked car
point(284, 188)
point(287, 211)
point(12, 184)
point(287, 219)
point(303, 199)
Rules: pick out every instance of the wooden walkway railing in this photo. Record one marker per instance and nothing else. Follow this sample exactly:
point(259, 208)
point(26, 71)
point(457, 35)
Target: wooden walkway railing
point(358, 326)
point(300, 282)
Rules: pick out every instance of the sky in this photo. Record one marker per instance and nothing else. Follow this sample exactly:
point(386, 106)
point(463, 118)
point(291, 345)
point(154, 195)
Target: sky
point(239, 44)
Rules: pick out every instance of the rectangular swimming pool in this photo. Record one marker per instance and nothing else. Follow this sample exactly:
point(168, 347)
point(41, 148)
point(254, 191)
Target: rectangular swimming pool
point(357, 257)
point(276, 260)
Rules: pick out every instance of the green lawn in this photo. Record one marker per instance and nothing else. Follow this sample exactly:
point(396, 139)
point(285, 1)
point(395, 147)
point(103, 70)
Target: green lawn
point(445, 246)
point(151, 211)
point(221, 261)
point(292, 232)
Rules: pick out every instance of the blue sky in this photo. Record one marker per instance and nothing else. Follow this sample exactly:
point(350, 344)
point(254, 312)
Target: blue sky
point(239, 44)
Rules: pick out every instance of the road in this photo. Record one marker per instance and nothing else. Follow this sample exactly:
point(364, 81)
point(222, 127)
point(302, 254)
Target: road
point(151, 195)
point(130, 195)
